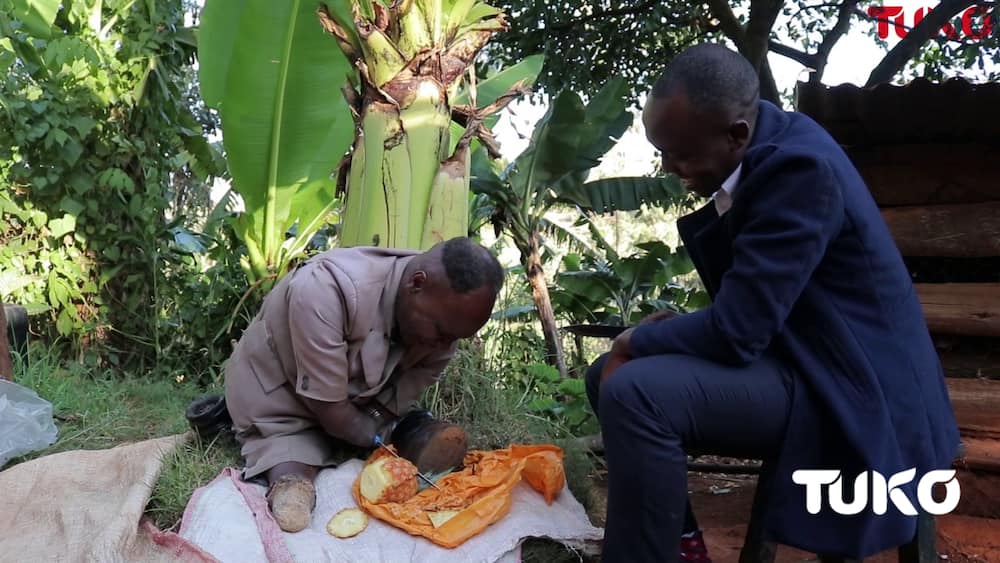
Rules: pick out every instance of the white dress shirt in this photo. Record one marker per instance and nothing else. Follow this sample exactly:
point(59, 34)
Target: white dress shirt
point(723, 197)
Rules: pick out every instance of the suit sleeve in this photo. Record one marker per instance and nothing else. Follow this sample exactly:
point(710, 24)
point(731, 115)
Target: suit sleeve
point(794, 211)
point(316, 318)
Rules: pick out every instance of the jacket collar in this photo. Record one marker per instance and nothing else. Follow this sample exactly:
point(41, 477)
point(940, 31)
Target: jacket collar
point(387, 302)
point(771, 121)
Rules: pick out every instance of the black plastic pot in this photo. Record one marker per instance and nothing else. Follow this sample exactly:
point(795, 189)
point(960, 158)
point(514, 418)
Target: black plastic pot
point(209, 417)
point(410, 423)
point(17, 330)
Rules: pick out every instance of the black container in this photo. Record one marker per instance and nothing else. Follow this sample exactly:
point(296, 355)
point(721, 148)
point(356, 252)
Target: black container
point(410, 423)
point(17, 331)
point(209, 417)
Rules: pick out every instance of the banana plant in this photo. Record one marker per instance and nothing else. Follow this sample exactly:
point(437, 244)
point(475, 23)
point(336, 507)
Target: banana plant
point(418, 110)
point(611, 289)
point(568, 141)
point(275, 78)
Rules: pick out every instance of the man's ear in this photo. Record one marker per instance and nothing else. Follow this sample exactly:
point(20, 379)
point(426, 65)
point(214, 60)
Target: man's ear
point(417, 281)
point(739, 134)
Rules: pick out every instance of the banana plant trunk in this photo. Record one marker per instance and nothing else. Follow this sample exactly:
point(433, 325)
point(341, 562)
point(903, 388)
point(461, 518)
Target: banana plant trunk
point(531, 258)
point(408, 180)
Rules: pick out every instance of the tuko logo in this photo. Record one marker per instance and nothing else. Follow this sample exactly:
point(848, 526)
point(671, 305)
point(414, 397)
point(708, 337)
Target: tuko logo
point(975, 23)
point(882, 491)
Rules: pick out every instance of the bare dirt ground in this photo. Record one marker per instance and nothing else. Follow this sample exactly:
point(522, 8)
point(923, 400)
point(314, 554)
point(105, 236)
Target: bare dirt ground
point(722, 505)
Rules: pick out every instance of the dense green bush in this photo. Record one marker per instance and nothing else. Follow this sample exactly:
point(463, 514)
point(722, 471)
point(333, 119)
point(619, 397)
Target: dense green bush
point(100, 136)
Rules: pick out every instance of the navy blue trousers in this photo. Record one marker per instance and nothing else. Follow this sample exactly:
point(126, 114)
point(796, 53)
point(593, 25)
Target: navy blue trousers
point(653, 412)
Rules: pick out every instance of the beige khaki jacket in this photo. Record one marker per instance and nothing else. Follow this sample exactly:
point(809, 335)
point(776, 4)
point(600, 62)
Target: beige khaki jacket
point(324, 332)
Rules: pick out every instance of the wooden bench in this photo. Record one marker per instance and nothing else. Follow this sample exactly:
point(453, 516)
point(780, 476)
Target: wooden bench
point(921, 549)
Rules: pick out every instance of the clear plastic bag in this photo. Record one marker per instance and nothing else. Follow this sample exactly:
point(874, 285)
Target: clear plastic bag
point(26, 423)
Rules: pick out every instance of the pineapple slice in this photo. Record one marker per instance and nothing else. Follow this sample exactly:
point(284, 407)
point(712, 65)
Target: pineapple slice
point(389, 479)
point(347, 523)
point(440, 517)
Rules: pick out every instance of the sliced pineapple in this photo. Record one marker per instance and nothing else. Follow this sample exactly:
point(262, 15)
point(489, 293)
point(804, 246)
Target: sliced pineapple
point(347, 523)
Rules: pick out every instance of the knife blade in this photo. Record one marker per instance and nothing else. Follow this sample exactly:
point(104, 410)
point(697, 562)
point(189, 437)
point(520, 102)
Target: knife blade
point(381, 444)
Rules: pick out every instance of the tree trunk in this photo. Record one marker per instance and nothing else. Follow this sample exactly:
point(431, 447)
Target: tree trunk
point(755, 48)
point(757, 31)
point(532, 260)
point(844, 14)
point(6, 368)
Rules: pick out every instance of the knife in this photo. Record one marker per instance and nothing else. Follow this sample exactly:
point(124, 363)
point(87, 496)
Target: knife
point(381, 444)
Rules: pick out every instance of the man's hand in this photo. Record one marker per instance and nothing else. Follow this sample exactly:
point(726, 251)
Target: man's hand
point(659, 316)
point(621, 352)
point(385, 421)
point(345, 421)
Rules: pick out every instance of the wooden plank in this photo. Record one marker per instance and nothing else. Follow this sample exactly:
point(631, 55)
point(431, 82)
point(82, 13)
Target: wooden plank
point(981, 454)
point(968, 230)
point(980, 497)
point(961, 308)
point(976, 403)
point(968, 356)
point(951, 269)
point(921, 174)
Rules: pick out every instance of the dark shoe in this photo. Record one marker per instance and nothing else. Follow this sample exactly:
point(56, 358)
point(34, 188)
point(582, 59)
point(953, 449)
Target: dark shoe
point(209, 417)
point(434, 446)
point(291, 500)
point(693, 549)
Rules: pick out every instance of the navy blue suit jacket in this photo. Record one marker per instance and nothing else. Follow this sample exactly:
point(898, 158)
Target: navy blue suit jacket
point(803, 267)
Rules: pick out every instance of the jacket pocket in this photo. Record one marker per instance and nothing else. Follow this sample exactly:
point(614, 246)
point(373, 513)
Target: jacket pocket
point(261, 358)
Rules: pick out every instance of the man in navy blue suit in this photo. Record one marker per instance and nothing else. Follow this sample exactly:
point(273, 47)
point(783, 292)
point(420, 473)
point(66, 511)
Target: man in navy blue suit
point(814, 353)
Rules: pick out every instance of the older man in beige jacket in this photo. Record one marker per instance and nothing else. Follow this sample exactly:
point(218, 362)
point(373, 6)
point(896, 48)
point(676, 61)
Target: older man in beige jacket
point(341, 349)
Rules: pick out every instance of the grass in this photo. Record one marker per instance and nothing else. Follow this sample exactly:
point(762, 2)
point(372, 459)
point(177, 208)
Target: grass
point(98, 409)
point(191, 466)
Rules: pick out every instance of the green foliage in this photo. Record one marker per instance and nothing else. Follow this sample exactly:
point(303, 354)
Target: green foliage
point(568, 141)
point(97, 130)
point(621, 290)
point(515, 347)
point(206, 301)
point(620, 194)
point(587, 43)
point(276, 78)
point(565, 400)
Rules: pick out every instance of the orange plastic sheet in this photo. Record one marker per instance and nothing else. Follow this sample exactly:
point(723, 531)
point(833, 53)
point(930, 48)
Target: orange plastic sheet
point(473, 498)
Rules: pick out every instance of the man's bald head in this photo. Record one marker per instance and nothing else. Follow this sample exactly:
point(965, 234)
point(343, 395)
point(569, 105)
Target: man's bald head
point(466, 265)
point(701, 115)
point(714, 79)
point(447, 293)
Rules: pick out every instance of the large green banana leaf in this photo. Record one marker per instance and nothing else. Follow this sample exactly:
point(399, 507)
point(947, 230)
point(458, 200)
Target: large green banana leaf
point(621, 194)
point(36, 15)
point(570, 138)
point(276, 79)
